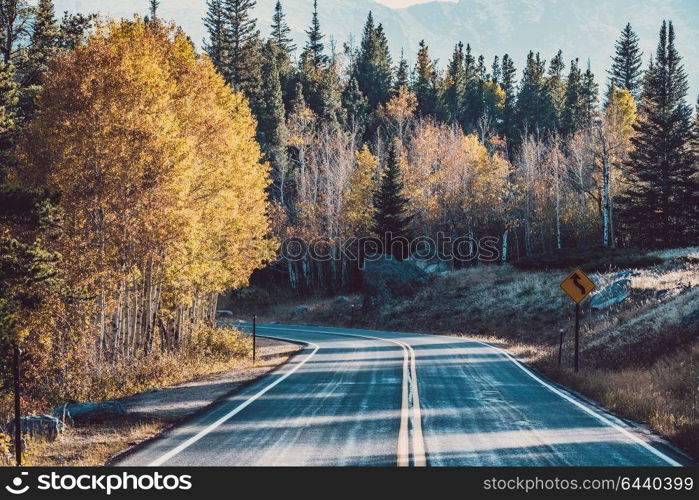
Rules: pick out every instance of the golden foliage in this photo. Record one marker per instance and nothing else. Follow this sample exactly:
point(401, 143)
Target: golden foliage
point(155, 159)
point(362, 183)
point(163, 193)
point(452, 181)
point(621, 111)
point(399, 111)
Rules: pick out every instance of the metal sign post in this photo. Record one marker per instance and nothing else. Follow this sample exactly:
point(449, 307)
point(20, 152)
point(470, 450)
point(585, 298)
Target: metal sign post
point(254, 337)
point(577, 334)
point(18, 420)
point(560, 349)
point(578, 286)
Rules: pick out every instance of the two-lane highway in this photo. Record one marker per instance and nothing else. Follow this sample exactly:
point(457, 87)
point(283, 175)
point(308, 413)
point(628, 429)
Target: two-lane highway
point(361, 397)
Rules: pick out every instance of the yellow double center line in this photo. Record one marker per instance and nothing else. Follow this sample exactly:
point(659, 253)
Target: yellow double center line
point(409, 391)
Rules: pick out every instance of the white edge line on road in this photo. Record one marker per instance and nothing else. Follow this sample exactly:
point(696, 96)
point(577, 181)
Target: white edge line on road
point(583, 407)
point(167, 456)
point(599, 416)
point(403, 454)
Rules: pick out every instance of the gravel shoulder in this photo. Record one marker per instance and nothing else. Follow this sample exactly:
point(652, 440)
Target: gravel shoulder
point(176, 402)
point(151, 412)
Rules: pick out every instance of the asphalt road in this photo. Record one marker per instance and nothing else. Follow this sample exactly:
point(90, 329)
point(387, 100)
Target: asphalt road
point(361, 397)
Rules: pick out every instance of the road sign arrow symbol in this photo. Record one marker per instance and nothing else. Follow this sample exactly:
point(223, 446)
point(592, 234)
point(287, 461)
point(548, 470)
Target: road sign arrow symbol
point(575, 279)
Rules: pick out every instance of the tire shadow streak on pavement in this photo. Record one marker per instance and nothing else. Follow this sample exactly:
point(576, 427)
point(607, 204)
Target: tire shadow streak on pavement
point(342, 402)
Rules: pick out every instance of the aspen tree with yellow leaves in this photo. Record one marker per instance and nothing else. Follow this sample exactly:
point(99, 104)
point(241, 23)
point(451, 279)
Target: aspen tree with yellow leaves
point(613, 136)
point(160, 182)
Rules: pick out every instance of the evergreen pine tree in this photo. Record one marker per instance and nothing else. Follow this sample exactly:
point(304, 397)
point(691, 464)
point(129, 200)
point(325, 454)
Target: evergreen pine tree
point(280, 30)
point(660, 208)
point(242, 67)
point(271, 105)
point(216, 46)
point(455, 85)
point(73, 29)
point(590, 97)
point(355, 104)
point(28, 272)
point(390, 205)
point(695, 142)
point(42, 44)
point(298, 102)
point(695, 149)
point(533, 103)
point(496, 70)
point(329, 94)
point(8, 98)
point(319, 77)
point(154, 4)
point(510, 107)
point(271, 130)
point(626, 69)
point(8, 114)
point(402, 78)
point(572, 117)
point(372, 67)
point(313, 51)
point(556, 90)
point(474, 79)
point(425, 84)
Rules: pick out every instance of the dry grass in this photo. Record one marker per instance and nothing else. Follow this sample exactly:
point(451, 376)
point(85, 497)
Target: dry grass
point(640, 358)
point(91, 446)
point(149, 413)
point(664, 395)
point(212, 351)
point(209, 368)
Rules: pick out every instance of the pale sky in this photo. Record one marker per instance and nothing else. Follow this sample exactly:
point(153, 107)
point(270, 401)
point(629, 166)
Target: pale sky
point(406, 3)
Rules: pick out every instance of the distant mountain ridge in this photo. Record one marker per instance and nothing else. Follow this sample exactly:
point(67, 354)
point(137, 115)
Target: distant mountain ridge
point(581, 28)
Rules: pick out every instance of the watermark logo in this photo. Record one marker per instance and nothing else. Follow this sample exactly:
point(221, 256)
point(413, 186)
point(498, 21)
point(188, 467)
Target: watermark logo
point(443, 248)
point(16, 487)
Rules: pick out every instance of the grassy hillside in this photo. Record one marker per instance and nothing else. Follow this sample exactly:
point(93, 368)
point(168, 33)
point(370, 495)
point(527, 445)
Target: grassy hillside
point(640, 358)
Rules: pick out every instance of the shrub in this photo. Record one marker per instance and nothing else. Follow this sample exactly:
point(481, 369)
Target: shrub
point(251, 298)
point(219, 344)
point(595, 259)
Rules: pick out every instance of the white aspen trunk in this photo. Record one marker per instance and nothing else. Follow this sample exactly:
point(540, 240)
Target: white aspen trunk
point(282, 180)
point(147, 307)
point(101, 320)
point(180, 326)
point(306, 271)
point(527, 229)
point(156, 309)
point(503, 253)
point(293, 278)
point(343, 271)
point(116, 322)
point(612, 242)
point(606, 207)
point(558, 207)
point(470, 241)
point(102, 300)
point(134, 336)
point(127, 325)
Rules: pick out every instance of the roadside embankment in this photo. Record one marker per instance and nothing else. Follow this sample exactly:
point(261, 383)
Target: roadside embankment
point(149, 413)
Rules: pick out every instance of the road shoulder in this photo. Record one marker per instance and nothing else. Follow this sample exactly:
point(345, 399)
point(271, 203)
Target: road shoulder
point(153, 412)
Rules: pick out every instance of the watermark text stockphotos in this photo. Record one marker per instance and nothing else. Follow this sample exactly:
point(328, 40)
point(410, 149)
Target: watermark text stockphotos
point(107, 483)
point(370, 248)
